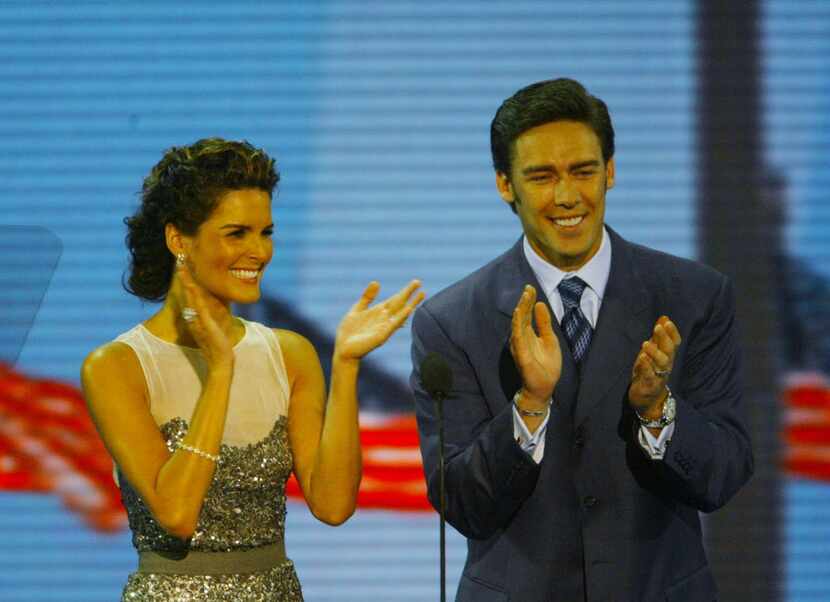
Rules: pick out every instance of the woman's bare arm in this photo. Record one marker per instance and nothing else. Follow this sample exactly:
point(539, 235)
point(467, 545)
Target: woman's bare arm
point(324, 432)
point(172, 485)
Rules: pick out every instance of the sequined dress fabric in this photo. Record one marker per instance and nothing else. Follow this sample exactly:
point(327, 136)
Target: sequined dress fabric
point(244, 508)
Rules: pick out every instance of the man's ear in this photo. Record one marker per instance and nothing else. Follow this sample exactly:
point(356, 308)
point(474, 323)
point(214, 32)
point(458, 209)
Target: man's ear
point(505, 188)
point(176, 241)
point(609, 174)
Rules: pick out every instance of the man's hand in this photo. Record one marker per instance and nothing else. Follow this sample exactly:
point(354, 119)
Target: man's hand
point(652, 367)
point(538, 357)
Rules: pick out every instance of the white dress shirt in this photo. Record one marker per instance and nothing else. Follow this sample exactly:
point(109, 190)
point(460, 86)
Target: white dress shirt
point(595, 274)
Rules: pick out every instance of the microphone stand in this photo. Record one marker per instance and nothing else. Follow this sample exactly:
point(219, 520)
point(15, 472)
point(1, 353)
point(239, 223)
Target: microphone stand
point(439, 406)
point(437, 381)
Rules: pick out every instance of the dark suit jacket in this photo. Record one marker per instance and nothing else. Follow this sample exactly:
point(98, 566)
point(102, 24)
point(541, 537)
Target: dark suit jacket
point(597, 519)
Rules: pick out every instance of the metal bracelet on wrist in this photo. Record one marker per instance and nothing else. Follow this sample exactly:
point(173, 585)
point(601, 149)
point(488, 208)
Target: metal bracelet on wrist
point(198, 452)
point(530, 413)
point(668, 416)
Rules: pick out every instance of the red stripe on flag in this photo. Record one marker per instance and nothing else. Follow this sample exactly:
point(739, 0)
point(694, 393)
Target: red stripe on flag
point(48, 444)
point(806, 426)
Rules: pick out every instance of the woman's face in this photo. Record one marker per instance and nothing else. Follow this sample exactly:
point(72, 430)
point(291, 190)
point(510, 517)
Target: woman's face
point(230, 250)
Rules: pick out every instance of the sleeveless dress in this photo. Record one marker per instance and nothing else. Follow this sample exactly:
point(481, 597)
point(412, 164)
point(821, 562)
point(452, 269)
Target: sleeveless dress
point(237, 551)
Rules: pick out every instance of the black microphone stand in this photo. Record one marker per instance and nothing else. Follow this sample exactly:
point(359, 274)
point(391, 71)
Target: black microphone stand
point(439, 406)
point(436, 376)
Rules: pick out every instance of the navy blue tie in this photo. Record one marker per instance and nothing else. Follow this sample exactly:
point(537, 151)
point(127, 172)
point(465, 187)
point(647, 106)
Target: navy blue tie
point(577, 328)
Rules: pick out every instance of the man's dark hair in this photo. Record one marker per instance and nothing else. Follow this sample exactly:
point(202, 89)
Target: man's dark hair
point(183, 189)
point(544, 102)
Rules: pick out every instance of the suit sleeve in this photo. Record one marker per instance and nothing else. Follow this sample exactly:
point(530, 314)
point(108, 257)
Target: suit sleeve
point(488, 476)
point(710, 455)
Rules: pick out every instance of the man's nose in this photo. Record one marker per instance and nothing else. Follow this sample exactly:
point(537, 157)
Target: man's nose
point(565, 193)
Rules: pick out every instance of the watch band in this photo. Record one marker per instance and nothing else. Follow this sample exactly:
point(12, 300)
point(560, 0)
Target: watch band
point(668, 416)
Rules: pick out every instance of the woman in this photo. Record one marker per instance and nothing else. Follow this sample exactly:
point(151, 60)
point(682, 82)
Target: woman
point(205, 414)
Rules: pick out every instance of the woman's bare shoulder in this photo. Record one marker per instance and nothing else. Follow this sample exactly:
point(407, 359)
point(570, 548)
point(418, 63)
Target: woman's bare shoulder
point(112, 367)
point(300, 355)
point(110, 355)
point(293, 342)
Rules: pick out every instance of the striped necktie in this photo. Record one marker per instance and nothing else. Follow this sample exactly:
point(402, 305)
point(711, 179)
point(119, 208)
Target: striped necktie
point(577, 328)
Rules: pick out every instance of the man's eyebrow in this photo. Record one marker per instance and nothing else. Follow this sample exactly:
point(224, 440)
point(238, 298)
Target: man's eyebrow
point(531, 169)
point(537, 169)
point(581, 164)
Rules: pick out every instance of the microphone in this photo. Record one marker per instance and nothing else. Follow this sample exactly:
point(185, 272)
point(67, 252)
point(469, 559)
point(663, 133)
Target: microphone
point(436, 378)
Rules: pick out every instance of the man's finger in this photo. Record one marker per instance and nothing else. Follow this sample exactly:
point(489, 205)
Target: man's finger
point(663, 341)
point(641, 365)
point(516, 318)
point(529, 303)
point(543, 322)
point(671, 329)
point(519, 315)
point(673, 333)
point(518, 347)
point(659, 360)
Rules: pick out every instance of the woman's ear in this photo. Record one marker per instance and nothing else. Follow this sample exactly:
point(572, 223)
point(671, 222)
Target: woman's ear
point(177, 242)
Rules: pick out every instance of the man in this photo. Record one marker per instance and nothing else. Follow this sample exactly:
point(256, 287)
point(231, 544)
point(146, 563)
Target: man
point(579, 452)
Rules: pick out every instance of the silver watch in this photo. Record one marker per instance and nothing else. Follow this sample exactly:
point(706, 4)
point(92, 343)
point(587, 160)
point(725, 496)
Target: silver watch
point(669, 413)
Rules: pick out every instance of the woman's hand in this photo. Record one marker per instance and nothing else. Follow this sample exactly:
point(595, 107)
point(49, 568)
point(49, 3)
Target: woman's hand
point(364, 328)
point(204, 327)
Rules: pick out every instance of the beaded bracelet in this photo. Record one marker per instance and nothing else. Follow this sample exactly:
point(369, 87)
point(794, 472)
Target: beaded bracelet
point(198, 452)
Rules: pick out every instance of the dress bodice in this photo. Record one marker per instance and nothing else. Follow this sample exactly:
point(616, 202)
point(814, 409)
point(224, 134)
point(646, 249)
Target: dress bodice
point(243, 511)
point(244, 506)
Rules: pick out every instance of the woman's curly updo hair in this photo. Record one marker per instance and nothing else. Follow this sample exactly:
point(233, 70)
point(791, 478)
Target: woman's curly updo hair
point(183, 189)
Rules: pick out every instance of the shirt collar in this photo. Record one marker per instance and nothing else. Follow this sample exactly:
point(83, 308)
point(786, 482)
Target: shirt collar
point(594, 273)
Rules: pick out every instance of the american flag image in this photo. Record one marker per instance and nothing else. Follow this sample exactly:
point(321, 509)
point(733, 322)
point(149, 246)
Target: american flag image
point(49, 445)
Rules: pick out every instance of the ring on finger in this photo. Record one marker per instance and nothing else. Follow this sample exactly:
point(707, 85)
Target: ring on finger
point(661, 373)
point(189, 314)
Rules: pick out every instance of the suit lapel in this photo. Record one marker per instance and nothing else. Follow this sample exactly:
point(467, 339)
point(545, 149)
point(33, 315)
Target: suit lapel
point(619, 332)
point(515, 274)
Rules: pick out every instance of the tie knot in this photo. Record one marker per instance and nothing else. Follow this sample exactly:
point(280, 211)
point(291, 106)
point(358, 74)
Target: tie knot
point(570, 289)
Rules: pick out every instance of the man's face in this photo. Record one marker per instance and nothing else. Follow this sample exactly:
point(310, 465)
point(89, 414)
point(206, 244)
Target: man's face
point(557, 184)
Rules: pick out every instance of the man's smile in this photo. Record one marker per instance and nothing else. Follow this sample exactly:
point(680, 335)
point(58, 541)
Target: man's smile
point(567, 222)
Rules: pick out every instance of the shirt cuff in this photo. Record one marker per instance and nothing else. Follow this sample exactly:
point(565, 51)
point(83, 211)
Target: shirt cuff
point(533, 444)
point(655, 447)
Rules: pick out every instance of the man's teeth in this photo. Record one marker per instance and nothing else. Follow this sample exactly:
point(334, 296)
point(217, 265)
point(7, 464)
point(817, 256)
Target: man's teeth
point(568, 221)
point(245, 274)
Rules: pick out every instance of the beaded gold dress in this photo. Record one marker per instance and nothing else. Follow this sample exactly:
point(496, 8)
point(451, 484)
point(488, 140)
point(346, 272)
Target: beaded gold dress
point(237, 551)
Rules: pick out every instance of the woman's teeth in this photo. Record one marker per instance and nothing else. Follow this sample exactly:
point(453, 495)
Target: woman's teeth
point(245, 274)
